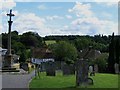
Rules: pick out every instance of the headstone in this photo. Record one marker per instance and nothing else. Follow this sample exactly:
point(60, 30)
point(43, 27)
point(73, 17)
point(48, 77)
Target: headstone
point(81, 72)
point(68, 69)
point(50, 68)
point(91, 71)
point(96, 68)
point(24, 66)
point(116, 66)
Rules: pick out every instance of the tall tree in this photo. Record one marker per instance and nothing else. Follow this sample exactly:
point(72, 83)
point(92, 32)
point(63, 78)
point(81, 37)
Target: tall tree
point(111, 59)
point(117, 51)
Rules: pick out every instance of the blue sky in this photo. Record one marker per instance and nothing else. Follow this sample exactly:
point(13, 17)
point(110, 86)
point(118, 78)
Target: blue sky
point(62, 18)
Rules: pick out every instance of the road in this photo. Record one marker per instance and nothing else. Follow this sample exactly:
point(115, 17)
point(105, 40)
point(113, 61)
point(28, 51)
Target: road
point(16, 81)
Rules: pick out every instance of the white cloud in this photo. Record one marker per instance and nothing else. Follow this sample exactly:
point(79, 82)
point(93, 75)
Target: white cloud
point(4, 13)
point(32, 23)
point(42, 7)
point(88, 23)
point(82, 10)
point(1, 28)
point(54, 17)
point(105, 0)
point(7, 4)
point(109, 4)
point(68, 16)
point(94, 26)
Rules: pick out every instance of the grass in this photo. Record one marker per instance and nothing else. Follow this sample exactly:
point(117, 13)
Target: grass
point(60, 81)
point(50, 42)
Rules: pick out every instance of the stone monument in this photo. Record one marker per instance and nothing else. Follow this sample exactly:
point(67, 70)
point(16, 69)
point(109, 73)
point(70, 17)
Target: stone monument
point(50, 68)
point(81, 72)
point(8, 57)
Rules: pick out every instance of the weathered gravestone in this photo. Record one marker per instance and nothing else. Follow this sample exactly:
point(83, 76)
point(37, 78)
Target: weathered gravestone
point(116, 66)
point(68, 69)
point(91, 70)
point(81, 72)
point(96, 68)
point(50, 68)
point(24, 66)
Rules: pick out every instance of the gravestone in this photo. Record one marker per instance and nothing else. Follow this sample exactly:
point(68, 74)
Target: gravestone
point(68, 69)
point(24, 66)
point(81, 72)
point(50, 68)
point(116, 66)
point(91, 71)
point(96, 68)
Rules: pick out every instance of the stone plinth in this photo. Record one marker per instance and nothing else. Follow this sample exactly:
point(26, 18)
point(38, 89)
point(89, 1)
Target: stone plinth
point(7, 61)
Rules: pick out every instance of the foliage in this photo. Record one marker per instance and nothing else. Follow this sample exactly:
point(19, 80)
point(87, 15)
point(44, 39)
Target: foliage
point(48, 42)
point(82, 43)
point(101, 61)
point(22, 57)
point(114, 53)
point(64, 51)
point(30, 39)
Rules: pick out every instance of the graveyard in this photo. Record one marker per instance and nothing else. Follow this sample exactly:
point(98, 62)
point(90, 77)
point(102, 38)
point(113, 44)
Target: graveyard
point(59, 60)
point(60, 81)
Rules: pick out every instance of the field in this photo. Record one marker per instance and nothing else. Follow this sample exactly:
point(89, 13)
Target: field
point(50, 42)
point(60, 81)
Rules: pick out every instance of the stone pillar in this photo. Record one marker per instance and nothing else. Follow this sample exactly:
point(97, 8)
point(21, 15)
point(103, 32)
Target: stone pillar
point(8, 57)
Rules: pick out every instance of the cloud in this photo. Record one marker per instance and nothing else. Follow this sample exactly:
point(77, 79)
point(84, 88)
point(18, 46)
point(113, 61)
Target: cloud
point(93, 26)
point(7, 4)
point(105, 0)
point(81, 10)
point(1, 28)
point(54, 17)
point(33, 23)
point(109, 4)
point(42, 7)
point(68, 16)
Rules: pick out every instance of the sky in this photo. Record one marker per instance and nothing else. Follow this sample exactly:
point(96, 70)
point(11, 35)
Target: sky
point(61, 18)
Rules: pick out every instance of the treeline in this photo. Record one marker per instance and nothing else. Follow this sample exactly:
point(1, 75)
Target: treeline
point(99, 42)
point(31, 39)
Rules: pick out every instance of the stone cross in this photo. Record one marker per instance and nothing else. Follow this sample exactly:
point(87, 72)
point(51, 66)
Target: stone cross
point(9, 32)
point(8, 57)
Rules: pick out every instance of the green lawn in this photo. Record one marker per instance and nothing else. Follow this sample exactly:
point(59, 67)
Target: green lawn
point(50, 42)
point(60, 81)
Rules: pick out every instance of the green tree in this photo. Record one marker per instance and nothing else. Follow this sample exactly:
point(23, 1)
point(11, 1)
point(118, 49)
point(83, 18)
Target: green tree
point(117, 51)
point(65, 51)
point(31, 39)
point(111, 58)
point(22, 57)
point(82, 43)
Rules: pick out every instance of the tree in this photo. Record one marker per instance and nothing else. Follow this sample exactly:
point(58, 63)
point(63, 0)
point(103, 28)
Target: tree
point(117, 51)
point(22, 57)
point(4, 40)
point(31, 39)
point(65, 51)
point(111, 58)
point(82, 43)
point(101, 61)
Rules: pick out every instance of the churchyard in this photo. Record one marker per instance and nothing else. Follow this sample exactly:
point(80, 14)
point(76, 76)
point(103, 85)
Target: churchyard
point(60, 61)
point(60, 81)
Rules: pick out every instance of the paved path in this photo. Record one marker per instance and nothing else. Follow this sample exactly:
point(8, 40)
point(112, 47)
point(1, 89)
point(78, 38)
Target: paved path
point(16, 81)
